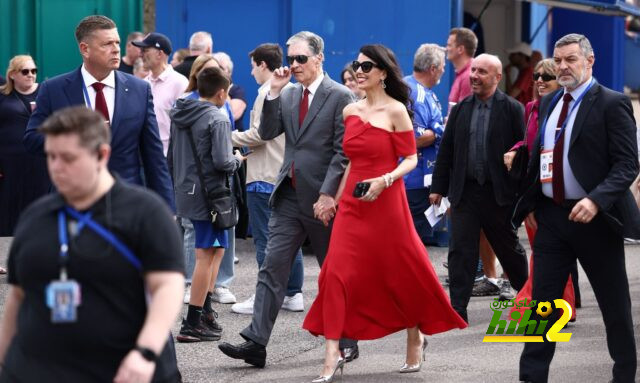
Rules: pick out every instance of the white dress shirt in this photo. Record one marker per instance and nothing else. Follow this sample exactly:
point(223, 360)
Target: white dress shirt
point(109, 90)
point(572, 189)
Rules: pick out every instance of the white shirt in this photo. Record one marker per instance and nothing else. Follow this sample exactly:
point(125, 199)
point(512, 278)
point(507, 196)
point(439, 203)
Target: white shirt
point(109, 90)
point(572, 189)
point(313, 88)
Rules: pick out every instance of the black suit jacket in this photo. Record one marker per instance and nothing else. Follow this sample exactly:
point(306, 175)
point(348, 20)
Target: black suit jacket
point(506, 127)
point(603, 154)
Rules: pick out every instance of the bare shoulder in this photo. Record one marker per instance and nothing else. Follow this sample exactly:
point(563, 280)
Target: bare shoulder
point(400, 116)
point(351, 109)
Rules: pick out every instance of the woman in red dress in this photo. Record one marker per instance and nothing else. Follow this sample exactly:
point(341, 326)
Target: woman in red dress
point(377, 278)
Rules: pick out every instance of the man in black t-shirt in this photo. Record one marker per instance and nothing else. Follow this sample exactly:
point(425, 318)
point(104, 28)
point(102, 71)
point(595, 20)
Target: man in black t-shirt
point(96, 270)
point(132, 52)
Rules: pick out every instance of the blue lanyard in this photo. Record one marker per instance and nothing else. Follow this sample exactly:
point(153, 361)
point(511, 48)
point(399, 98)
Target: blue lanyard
point(566, 120)
point(86, 95)
point(85, 219)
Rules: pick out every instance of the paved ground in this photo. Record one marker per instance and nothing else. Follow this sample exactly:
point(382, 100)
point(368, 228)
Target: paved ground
point(457, 356)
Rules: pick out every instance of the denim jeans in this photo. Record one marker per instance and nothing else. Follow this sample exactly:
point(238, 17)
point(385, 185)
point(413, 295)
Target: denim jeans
point(226, 272)
point(188, 246)
point(259, 213)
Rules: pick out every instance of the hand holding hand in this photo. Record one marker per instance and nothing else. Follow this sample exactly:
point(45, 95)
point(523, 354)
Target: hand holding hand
point(584, 211)
point(281, 77)
point(324, 209)
point(508, 159)
point(135, 369)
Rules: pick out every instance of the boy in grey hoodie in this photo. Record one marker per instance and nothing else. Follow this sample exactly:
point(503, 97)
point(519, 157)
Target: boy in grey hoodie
point(211, 132)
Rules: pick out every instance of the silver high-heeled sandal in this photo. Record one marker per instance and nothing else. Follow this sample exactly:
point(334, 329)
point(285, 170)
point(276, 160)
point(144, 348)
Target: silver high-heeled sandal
point(329, 378)
point(407, 368)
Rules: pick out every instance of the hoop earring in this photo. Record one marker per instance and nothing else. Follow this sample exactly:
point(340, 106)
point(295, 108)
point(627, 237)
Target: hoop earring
point(384, 86)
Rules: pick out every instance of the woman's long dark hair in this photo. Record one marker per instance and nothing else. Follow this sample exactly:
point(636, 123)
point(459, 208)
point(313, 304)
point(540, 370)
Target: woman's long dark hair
point(386, 60)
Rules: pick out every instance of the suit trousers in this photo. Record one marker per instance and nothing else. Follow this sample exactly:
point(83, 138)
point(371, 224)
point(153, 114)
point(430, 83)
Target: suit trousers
point(477, 210)
point(288, 228)
point(557, 245)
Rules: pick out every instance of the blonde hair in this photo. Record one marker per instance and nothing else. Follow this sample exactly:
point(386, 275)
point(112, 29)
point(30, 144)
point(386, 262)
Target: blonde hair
point(15, 64)
point(197, 66)
point(547, 65)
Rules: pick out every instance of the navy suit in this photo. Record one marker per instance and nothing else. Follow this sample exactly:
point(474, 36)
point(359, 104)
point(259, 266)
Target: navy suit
point(134, 130)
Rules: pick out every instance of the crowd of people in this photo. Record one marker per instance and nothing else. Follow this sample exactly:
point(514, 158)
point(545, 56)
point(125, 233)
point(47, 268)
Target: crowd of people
point(141, 170)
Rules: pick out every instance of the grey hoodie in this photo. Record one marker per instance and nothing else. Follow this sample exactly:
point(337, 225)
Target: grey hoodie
point(212, 135)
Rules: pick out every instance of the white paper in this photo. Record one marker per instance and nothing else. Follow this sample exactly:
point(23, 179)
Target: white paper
point(435, 213)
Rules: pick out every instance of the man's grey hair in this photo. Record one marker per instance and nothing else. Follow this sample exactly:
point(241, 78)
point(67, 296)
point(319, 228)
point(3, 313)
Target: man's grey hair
point(426, 56)
point(315, 42)
point(225, 62)
point(200, 41)
point(575, 38)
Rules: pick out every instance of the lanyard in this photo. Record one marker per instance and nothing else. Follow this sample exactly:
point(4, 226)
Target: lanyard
point(86, 95)
point(85, 219)
point(566, 120)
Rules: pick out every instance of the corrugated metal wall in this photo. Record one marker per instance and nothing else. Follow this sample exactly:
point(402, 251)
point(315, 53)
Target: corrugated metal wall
point(45, 29)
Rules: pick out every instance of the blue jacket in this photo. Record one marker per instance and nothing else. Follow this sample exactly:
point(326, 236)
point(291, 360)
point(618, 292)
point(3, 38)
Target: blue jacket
point(427, 116)
point(134, 130)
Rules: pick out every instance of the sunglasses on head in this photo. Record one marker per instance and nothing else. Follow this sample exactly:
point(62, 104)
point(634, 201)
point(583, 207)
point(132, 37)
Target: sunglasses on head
point(26, 71)
point(301, 59)
point(365, 65)
point(545, 77)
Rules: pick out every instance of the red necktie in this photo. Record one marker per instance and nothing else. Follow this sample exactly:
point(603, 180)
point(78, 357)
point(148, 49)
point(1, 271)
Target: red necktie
point(101, 102)
point(304, 108)
point(558, 149)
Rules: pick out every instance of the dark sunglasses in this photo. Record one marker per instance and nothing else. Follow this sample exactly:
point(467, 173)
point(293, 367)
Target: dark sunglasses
point(301, 59)
point(26, 71)
point(365, 65)
point(545, 77)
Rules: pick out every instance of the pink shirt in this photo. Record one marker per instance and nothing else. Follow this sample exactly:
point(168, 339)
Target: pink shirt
point(166, 89)
point(461, 87)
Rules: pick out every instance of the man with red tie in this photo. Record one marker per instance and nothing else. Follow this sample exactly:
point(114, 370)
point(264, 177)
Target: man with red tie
point(124, 101)
point(578, 195)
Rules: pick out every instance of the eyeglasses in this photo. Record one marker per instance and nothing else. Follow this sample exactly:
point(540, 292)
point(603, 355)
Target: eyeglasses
point(301, 59)
point(25, 72)
point(365, 65)
point(545, 77)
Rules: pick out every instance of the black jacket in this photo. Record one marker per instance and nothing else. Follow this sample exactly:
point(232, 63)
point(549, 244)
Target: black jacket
point(603, 154)
point(506, 127)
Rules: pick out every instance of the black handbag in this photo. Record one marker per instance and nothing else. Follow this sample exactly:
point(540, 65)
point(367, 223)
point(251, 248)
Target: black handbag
point(221, 204)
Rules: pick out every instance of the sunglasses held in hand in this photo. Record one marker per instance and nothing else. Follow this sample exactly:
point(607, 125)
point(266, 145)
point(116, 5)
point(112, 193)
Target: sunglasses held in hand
point(365, 65)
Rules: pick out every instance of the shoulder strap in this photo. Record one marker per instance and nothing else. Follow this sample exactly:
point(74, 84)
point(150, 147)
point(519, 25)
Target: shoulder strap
point(203, 187)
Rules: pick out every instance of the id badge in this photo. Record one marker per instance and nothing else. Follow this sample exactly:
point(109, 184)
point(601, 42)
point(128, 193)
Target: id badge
point(546, 166)
point(63, 298)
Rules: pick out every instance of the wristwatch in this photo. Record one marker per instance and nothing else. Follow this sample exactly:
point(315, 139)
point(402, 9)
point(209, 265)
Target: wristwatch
point(147, 353)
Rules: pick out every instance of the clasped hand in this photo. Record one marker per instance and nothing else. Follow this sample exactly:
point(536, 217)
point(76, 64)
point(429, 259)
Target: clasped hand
point(324, 209)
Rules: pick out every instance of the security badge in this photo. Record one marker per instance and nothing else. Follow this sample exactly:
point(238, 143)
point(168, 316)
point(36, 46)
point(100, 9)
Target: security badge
point(546, 166)
point(63, 298)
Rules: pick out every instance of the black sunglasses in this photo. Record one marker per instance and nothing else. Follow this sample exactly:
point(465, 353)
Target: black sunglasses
point(26, 71)
point(365, 65)
point(545, 77)
point(301, 59)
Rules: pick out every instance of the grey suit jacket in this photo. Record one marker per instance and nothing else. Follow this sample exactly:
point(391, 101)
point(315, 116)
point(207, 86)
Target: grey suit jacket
point(316, 146)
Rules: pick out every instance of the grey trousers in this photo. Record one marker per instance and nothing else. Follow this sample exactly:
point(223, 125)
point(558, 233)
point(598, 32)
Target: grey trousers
point(288, 228)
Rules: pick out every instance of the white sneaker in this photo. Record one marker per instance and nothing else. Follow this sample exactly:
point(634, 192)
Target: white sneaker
point(294, 303)
point(223, 295)
point(187, 294)
point(236, 260)
point(245, 307)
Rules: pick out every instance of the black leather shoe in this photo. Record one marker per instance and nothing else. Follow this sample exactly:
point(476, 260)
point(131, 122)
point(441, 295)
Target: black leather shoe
point(350, 353)
point(251, 352)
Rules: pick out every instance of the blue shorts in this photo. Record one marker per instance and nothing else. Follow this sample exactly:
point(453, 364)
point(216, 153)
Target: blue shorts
point(207, 236)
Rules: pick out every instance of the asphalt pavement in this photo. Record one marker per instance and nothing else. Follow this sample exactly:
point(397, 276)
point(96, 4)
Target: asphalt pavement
point(293, 355)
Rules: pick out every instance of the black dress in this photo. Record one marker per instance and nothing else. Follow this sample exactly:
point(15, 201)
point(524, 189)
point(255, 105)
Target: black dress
point(23, 176)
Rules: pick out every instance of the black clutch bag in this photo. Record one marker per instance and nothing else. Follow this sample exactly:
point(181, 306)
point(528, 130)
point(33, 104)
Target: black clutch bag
point(520, 163)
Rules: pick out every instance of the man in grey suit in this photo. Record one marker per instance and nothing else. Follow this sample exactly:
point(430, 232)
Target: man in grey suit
point(310, 115)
